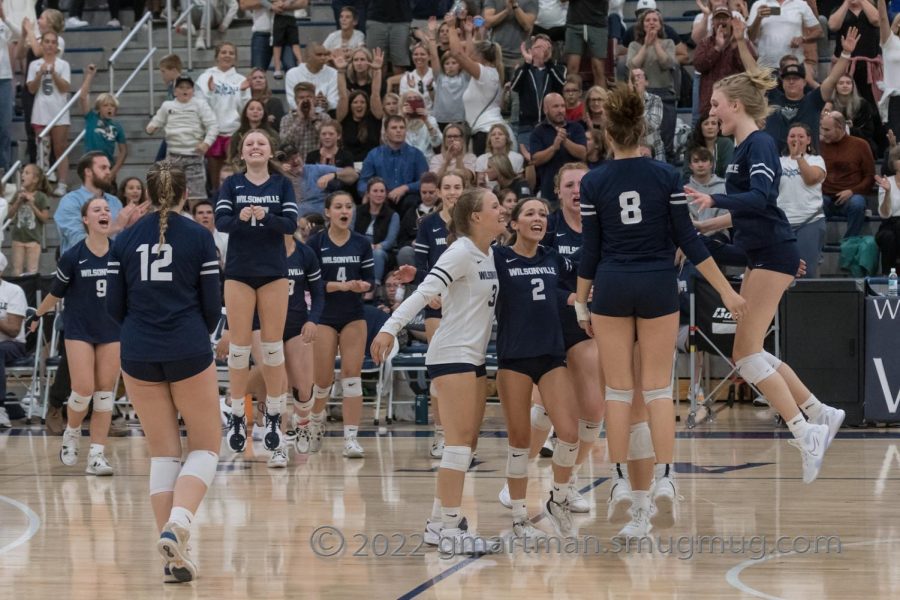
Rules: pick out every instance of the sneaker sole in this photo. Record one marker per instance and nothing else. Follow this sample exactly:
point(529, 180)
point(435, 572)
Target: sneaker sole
point(354, 455)
point(277, 465)
point(68, 464)
point(833, 430)
point(664, 517)
point(237, 442)
point(182, 570)
point(619, 511)
point(272, 441)
point(579, 508)
point(104, 473)
point(431, 538)
point(505, 504)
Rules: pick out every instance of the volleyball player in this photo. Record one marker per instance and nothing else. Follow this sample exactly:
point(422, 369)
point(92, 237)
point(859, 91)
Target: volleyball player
point(530, 276)
point(163, 280)
point(91, 336)
point(431, 241)
point(300, 331)
point(631, 209)
point(764, 233)
point(348, 270)
point(465, 278)
point(256, 207)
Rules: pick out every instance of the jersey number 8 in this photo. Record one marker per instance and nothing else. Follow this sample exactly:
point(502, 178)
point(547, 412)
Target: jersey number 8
point(152, 271)
point(630, 202)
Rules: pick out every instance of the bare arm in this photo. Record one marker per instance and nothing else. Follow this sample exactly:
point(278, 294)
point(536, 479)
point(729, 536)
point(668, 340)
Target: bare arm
point(121, 155)
point(11, 324)
point(85, 91)
point(884, 23)
point(343, 106)
point(492, 17)
point(837, 17)
point(848, 43)
point(377, 74)
point(465, 61)
point(810, 174)
point(871, 11)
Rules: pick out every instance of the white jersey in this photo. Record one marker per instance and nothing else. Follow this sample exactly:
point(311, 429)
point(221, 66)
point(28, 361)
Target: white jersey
point(466, 280)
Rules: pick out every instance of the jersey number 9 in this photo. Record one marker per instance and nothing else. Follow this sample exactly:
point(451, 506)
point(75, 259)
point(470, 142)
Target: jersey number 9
point(630, 203)
point(101, 288)
point(152, 270)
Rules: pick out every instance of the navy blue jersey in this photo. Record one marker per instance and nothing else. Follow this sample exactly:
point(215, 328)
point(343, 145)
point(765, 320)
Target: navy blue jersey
point(528, 303)
point(167, 298)
point(751, 194)
point(256, 248)
point(566, 241)
point(303, 275)
point(431, 241)
point(352, 261)
point(633, 213)
point(81, 280)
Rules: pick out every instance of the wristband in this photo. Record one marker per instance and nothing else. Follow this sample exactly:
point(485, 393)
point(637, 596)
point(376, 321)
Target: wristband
point(581, 312)
point(846, 55)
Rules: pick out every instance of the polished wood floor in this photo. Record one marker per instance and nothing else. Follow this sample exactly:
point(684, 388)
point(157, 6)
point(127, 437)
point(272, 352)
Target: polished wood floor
point(67, 535)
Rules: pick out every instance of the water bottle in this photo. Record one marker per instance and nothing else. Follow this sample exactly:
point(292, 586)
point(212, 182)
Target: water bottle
point(458, 8)
point(892, 283)
point(421, 409)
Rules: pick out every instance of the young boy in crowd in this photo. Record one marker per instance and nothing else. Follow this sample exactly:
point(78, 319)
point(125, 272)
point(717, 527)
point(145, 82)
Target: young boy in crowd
point(170, 68)
point(190, 127)
point(101, 131)
point(285, 34)
point(712, 223)
point(347, 37)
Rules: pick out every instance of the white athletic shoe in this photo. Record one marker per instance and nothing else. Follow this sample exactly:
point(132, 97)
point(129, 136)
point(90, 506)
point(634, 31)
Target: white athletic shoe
point(831, 417)
point(4, 418)
point(75, 23)
point(437, 445)
point(549, 446)
point(98, 465)
point(60, 189)
point(200, 44)
point(812, 450)
point(289, 436)
point(237, 433)
point(460, 542)
point(272, 429)
point(525, 530)
point(68, 453)
point(664, 498)
point(638, 527)
point(352, 449)
point(167, 575)
point(577, 502)
point(560, 517)
point(503, 496)
point(173, 547)
point(302, 14)
point(114, 23)
point(279, 459)
point(316, 431)
point(433, 531)
point(303, 441)
point(620, 500)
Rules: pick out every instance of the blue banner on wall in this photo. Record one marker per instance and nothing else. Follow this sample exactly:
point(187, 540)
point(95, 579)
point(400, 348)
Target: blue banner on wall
point(882, 383)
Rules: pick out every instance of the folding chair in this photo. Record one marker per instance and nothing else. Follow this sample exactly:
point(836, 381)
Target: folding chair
point(711, 330)
point(412, 362)
point(52, 360)
point(27, 368)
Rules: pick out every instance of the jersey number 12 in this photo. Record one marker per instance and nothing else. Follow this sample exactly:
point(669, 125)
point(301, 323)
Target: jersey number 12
point(630, 203)
point(152, 270)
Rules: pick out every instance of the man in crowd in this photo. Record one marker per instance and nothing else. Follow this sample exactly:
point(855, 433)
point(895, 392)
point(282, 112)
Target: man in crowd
point(555, 142)
point(850, 169)
point(315, 70)
point(399, 164)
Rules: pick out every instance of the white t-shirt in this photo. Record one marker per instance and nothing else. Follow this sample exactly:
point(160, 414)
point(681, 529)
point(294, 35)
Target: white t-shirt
point(48, 100)
point(262, 20)
point(890, 53)
point(226, 99)
point(895, 198)
point(516, 159)
point(12, 302)
point(6, 36)
point(776, 31)
point(335, 40)
point(798, 200)
point(709, 22)
point(551, 13)
point(482, 100)
point(325, 81)
point(466, 280)
point(422, 84)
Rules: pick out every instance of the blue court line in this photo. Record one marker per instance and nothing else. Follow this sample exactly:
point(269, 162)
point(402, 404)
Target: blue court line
point(430, 583)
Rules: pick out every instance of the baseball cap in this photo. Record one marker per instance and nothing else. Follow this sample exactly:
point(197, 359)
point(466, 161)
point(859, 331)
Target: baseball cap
point(722, 10)
point(643, 5)
point(793, 71)
point(183, 79)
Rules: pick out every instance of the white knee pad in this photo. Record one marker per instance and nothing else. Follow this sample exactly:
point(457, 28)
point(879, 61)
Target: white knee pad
point(516, 463)
point(321, 393)
point(432, 391)
point(772, 359)
point(640, 444)
point(202, 465)
point(625, 396)
point(565, 454)
point(103, 401)
point(273, 353)
point(164, 471)
point(588, 431)
point(79, 403)
point(238, 357)
point(458, 458)
point(755, 368)
point(352, 386)
point(539, 418)
point(658, 394)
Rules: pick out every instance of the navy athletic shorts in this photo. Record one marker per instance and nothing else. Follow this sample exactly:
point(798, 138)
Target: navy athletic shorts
point(431, 313)
point(338, 325)
point(573, 334)
point(435, 371)
point(293, 325)
point(641, 294)
point(170, 370)
point(535, 367)
point(781, 258)
point(255, 282)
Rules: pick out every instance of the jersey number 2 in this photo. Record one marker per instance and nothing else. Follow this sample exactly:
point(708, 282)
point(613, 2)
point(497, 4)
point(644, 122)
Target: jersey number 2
point(537, 293)
point(630, 203)
point(152, 270)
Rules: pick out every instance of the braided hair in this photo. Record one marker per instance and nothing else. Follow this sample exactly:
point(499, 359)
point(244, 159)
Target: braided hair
point(166, 185)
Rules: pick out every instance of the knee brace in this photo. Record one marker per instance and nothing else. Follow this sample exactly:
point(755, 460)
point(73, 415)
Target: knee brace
point(321, 393)
point(458, 458)
point(164, 471)
point(202, 465)
point(539, 418)
point(772, 359)
point(238, 357)
point(564, 454)
point(79, 403)
point(516, 462)
point(588, 431)
point(640, 444)
point(625, 396)
point(755, 368)
point(103, 402)
point(273, 353)
point(351, 386)
point(658, 394)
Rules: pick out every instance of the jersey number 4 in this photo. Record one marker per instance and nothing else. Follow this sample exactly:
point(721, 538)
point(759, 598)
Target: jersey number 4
point(152, 271)
point(630, 203)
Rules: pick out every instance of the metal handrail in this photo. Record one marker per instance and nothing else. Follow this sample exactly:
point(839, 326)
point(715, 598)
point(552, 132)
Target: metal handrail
point(185, 15)
point(147, 16)
point(145, 20)
point(9, 174)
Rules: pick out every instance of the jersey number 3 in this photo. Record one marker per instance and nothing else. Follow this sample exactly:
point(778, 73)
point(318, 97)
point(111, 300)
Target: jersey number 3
point(630, 203)
point(152, 270)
